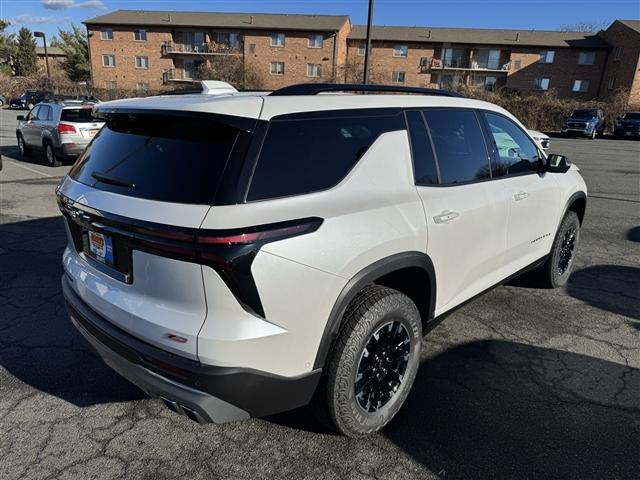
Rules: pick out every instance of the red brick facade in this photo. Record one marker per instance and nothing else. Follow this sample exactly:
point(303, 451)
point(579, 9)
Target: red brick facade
point(622, 69)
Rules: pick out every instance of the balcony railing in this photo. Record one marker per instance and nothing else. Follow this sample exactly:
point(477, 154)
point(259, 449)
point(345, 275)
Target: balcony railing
point(465, 64)
point(174, 75)
point(211, 48)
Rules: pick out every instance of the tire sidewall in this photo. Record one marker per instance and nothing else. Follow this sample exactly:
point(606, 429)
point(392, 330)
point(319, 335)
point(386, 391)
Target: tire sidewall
point(358, 421)
point(557, 279)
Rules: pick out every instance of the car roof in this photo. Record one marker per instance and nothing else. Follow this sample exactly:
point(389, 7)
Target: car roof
point(258, 105)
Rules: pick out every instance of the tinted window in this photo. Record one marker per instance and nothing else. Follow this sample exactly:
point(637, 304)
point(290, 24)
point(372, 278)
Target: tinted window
point(173, 159)
point(516, 153)
point(306, 155)
point(78, 115)
point(33, 114)
point(44, 113)
point(632, 116)
point(459, 144)
point(424, 165)
point(584, 113)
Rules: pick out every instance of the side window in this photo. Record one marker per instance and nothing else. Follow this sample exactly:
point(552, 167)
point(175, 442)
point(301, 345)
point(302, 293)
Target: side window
point(33, 114)
point(459, 144)
point(516, 153)
point(424, 163)
point(305, 155)
point(44, 113)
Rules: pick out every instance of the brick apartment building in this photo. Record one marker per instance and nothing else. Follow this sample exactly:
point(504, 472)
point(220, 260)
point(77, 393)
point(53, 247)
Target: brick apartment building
point(56, 58)
point(152, 50)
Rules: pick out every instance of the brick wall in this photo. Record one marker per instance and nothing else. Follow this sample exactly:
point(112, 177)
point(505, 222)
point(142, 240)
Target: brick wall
point(562, 73)
point(625, 71)
point(125, 49)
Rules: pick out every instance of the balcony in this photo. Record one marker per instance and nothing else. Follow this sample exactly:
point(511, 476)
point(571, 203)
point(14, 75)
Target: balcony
point(211, 48)
point(465, 64)
point(176, 75)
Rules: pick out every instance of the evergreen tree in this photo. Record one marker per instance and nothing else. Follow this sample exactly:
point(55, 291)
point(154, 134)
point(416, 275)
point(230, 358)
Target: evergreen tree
point(26, 60)
point(74, 44)
point(7, 48)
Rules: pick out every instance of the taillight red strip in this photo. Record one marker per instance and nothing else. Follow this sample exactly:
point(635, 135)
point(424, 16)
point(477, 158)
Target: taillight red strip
point(245, 238)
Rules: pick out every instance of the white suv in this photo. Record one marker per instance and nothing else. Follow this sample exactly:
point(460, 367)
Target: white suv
point(242, 255)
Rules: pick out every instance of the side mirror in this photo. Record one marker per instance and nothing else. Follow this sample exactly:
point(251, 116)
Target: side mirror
point(558, 163)
point(20, 118)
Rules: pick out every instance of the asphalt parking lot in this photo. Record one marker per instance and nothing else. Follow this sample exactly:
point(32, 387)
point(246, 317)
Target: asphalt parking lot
point(520, 383)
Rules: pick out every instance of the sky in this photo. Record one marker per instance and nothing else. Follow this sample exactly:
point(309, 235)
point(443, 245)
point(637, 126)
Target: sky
point(49, 15)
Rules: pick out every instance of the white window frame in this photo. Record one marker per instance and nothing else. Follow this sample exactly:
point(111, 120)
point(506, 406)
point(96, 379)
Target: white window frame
point(142, 32)
point(547, 56)
point(400, 51)
point(109, 64)
point(106, 34)
point(142, 65)
point(311, 67)
point(617, 54)
point(541, 84)
point(142, 87)
point(313, 38)
point(611, 83)
point(275, 39)
point(580, 86)
point(586, 58)
point(361, 50)
point(110, 84)
point(234, 39)
point(395, 76)
point(277, 71)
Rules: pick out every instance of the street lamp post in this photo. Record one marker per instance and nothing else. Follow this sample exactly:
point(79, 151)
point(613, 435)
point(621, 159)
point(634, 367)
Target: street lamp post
point(368, 50)
point(46, 55)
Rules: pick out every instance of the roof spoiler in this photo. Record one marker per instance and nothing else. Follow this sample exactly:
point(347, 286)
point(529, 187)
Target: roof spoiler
point(216, 87)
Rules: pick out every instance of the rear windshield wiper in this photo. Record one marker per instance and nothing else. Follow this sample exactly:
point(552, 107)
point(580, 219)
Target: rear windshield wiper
point(101, 177)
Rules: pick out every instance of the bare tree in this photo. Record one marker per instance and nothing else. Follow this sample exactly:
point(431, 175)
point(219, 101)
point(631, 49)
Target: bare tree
point(233, 69)
point(585, 27)
point(352, 71)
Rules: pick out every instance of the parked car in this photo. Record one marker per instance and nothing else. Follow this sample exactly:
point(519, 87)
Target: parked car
point(238, 256)
point(60, 130)
point(3, 100)
point(543, 140)
point(628, 124)
point(587, 122)
point(28, 99)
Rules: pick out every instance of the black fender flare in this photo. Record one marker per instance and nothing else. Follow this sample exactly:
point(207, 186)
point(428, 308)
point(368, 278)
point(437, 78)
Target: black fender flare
point(365, 277)
point(575, 196)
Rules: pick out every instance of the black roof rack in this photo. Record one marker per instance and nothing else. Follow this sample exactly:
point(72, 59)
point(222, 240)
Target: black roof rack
point(315, 88)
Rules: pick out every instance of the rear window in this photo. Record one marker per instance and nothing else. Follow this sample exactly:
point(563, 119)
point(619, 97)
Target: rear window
point(158, 157)
point(632, 116)
point(584, 113)
point(305, 155)
point(78, 115)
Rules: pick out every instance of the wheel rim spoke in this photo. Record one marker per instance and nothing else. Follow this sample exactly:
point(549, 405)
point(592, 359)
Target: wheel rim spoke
point(382, 366)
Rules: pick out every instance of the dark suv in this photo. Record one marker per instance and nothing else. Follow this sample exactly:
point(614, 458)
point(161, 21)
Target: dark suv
point(628, 124)
point(28, 99)
point(587, 122)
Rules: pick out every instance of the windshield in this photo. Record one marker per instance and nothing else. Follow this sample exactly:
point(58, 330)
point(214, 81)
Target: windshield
point(78, 115)
point(632, 116)
point(158, 157)
point(584, 113)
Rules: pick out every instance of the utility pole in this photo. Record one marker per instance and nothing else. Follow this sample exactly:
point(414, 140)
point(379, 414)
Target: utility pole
point(367, 53)
point(46, 55)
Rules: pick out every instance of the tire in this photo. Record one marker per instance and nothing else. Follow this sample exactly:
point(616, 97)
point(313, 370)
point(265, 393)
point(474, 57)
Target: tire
point(593, 134)
point(50, 155)
point(24, 150)
point(345, 400)
point(557, 269)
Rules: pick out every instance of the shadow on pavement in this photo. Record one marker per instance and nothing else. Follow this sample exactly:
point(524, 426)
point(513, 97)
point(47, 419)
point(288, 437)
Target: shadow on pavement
point(612, 288)
point(38, 344)
point(496, 409)
point(634, 234)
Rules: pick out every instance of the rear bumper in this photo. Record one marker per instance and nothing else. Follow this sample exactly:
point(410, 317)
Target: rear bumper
point(204, 393)
point(70, 150)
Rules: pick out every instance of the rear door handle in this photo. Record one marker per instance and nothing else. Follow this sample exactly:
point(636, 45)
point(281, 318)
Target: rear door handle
point(520, 196)
point(446, 217)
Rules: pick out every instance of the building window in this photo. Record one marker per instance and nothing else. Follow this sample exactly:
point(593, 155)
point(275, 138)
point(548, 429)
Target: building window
point(140, 35)
point(193, 41)
point(252, 48)
point(617, 55)
point(400, 51)
point(397, 77)
point(487, 82)
point(424, 64)
point(586, 58)
point(228, 39)
point(517, 64)
point(142, 87)
point(108, 60)
point(142, 62)
point(277, 68)
point(106, 34)
point(541, 84)
point(110, 84)
point(191, 69)
point(580, 86)
point(314, 70)
point(277, 39)
point(612, 82)
point(547, 56)
point(315, 41)
point(362, 49)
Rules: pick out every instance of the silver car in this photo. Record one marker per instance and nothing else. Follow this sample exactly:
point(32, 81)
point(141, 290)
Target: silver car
point(60, 130)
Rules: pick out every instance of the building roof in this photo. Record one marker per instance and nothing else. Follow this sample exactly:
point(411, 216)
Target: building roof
point(481, 36)
point(271, 21)
point(53, 51)
point(632, 24)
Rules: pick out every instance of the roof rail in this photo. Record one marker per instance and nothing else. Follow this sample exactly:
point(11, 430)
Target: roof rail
point(316, 88)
